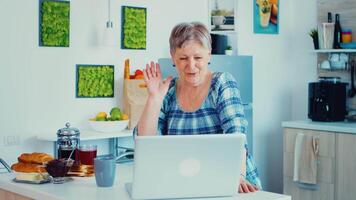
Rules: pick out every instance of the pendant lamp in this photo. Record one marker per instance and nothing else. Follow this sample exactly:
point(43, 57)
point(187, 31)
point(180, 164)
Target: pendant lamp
point(108, 35)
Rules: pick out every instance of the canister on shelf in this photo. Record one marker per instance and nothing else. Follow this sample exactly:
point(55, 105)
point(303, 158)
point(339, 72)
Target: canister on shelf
point(346, 36)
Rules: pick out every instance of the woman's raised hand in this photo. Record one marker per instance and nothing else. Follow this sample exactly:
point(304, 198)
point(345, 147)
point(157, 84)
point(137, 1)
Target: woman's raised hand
point(156, 87)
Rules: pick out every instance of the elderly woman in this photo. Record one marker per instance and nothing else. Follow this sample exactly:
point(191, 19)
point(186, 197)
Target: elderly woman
point(198, 101)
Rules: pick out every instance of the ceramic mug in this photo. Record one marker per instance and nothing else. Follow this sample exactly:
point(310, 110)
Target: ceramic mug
point(218, 20)
point(325, 65)
point(105, 170)
point(334, 57)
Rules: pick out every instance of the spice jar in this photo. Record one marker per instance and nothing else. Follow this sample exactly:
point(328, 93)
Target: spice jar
point(346, 36)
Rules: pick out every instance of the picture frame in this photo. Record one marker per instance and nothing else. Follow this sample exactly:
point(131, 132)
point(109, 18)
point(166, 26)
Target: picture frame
point(94, 81)
point(222, 15)
point(54, 23)
point(266, 16)
point(133, 27)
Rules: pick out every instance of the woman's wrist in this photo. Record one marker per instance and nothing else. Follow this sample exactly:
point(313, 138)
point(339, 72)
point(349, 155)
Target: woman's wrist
point(155, 99)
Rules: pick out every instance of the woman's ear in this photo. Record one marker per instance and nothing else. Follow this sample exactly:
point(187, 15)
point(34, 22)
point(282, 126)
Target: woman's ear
point(172, 58)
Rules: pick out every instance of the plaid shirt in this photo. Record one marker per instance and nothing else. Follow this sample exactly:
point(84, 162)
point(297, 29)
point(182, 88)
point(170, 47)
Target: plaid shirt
point(221, 112)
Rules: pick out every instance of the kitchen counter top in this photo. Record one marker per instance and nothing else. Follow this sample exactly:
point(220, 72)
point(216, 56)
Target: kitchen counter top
point(341, 127)
point(86, 189)
point(89, 135)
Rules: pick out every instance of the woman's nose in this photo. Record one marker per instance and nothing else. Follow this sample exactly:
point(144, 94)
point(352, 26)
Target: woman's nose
point(191, 63)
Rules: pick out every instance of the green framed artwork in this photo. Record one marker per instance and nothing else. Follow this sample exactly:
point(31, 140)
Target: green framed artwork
point(133, 27)
point(94, 81)
point(54, 23)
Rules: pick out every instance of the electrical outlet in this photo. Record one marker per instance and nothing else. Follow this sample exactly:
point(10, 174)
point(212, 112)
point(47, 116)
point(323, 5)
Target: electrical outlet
point(11, 140)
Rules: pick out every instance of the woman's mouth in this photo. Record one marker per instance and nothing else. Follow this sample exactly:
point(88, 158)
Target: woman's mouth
point(191, 74)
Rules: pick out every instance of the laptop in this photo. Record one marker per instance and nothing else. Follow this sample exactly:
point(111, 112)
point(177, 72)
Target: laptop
point(186, 166)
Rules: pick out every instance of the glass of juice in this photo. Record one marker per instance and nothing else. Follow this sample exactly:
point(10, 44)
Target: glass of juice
point(87, 153)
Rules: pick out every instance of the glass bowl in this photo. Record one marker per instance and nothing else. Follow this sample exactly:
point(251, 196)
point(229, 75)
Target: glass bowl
point(58, 169)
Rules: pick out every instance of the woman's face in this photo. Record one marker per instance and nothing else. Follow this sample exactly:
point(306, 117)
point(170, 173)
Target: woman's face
point(191, 62)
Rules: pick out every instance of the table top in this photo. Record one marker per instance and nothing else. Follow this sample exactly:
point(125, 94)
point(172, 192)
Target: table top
point(86, 189)
point(89, 135)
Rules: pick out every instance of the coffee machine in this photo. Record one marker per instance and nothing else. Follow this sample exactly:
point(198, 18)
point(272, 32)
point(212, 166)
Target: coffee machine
point(327, 100)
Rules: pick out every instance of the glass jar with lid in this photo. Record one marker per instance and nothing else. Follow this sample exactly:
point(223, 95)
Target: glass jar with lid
point(68, 140)
point(346, 36)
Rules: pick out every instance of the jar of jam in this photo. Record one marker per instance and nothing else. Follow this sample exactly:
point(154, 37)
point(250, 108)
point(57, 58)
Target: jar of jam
point(346, 36)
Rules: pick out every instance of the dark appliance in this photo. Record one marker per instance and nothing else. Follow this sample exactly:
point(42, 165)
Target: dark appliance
point(218, 43)
point(327, 100)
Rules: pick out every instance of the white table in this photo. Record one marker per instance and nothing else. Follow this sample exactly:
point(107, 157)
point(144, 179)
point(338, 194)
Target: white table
point(86, 135)
point(86, 189)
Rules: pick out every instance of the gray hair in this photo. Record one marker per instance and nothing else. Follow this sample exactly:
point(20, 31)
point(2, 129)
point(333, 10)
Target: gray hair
point(185, 32)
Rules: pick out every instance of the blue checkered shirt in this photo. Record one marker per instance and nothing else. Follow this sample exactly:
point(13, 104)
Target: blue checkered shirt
point(221, 112)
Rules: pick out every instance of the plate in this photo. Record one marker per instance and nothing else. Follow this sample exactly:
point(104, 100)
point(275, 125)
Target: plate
point(47, 180)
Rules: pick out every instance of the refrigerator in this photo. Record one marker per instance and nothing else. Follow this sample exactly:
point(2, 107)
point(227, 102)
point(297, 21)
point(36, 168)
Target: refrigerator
point(241, 68)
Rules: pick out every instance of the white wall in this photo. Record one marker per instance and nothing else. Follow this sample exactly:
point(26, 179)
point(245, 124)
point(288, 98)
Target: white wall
point(282, 66)
point(37, 84)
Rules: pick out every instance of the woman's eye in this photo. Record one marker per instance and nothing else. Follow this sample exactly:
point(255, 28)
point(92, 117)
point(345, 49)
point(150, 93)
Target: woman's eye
point(198, 58)
point(182, 58)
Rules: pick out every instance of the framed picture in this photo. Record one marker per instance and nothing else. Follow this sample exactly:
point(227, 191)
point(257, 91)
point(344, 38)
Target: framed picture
point(133, 27)
point(94, 81)
point(54, 23)
point(266, 16)
point(222, 14)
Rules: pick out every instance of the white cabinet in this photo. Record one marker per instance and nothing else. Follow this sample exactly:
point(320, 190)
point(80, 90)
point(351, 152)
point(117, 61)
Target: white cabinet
point(336, 167)
point(325, 168)
point(346, 166)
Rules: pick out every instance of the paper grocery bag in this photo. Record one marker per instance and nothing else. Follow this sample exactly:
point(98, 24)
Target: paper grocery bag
point(135, 96)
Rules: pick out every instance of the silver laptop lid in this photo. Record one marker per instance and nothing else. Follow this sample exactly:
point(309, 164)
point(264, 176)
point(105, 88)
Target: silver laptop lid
point(187, 166)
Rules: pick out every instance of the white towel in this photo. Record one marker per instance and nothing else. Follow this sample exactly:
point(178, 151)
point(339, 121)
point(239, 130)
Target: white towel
point(305, 158)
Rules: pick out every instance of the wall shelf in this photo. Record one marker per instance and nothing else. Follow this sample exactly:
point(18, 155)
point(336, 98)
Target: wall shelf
point(335, 51)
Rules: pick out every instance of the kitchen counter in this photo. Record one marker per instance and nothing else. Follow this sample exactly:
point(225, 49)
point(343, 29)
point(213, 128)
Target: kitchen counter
point(86, 189)
point(340, 127)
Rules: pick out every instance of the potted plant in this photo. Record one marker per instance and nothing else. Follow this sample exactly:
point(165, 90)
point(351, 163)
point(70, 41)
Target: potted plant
point(228, 50)
point(314, 35)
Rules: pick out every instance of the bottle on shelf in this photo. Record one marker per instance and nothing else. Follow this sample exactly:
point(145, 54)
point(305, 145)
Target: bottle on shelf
point(330, 17)
point(337, 33)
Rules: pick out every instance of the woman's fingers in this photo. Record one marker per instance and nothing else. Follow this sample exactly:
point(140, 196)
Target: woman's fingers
point(158, 71)
point(244, 187)
point(251, 187)
point(240, 189)
point(148, 71)
point(152, 69)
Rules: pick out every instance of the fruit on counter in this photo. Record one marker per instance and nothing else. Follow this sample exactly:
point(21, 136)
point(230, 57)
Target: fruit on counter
point(124, 116)
point(138, 72)
point(101, 116)
point(115, 114)
point(137, 75)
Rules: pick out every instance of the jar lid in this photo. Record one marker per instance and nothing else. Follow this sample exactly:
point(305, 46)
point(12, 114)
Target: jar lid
point(68, 131)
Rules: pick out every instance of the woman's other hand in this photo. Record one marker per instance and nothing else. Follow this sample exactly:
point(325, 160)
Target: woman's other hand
point(246, 187)
point(153, 77)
